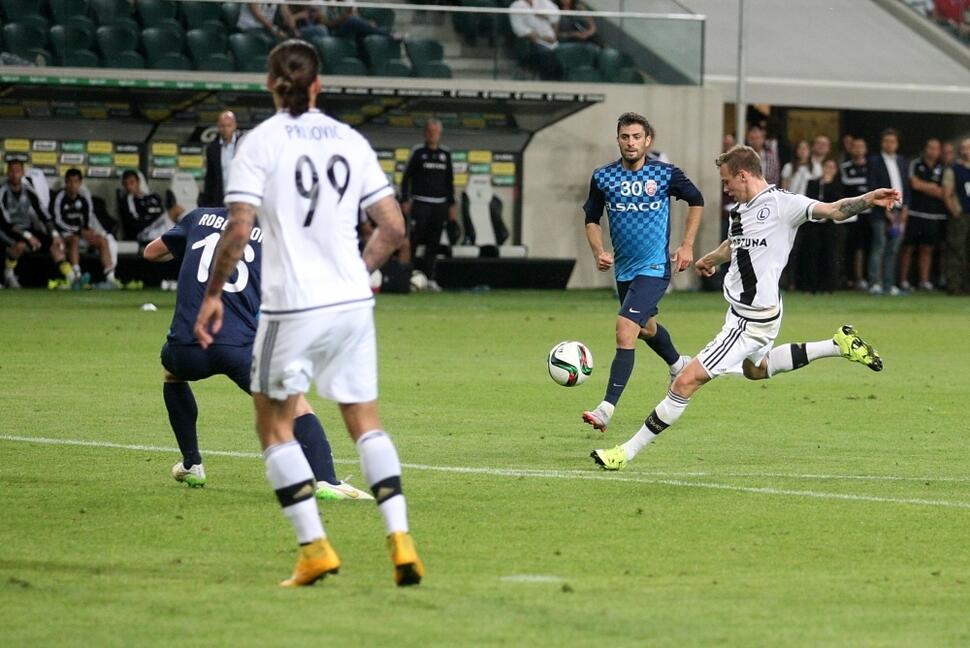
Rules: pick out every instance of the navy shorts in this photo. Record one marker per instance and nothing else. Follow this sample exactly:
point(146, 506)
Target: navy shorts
point(639, 298)
point(191, 362)
point(923, 231)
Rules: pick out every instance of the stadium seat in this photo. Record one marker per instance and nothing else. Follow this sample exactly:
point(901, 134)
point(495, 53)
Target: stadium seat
point(612, 58)
point(81, 58)
point(61, 10)
point(383, 17)
point(162, 43)
point(81, 22)
point(583, 73)
point(33, 20)
point(115, 39)
point(471, 26)
point(426, 58)
point(15, 10)
point(230, 14)
point(203, 15)
point(384, 57)
point(348, 67)
point(26, 41)
point(338, 54)
point(124, 59)
point(158, 13)
point(108, 12)
point(576, 55)
point(208, 50)
point(250, 52)
point(67, 40)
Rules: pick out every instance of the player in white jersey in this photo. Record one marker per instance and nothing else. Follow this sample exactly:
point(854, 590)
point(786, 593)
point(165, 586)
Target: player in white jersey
point(760, 238)
point(307, 175)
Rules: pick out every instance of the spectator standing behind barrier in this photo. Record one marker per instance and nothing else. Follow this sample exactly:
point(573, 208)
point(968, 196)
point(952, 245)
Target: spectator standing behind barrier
point(847, 141)
point(794, 178)
point(72, 211)
point(822, 241)
point(257, 18)
point(575, 28)
point(218, 156)
point(144, 217)
point(428, 196)
point(854, 174)
point(927, 216)
point(821, 148)
point(956, 195)
point(770, 167)
point(887, 169)
point(24, 224)
point(538, 30)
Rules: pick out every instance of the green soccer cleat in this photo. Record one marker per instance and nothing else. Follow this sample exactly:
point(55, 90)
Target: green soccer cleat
point(194, 476)
point(340, 491)
point(855, 349)
point(612, 459)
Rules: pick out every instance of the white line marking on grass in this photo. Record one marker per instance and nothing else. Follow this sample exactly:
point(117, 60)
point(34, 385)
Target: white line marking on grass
point(555, 474)
point(531, 578)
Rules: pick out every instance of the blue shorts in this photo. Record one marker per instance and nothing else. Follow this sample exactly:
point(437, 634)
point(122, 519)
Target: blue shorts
point(639, 297)
point(192, 362)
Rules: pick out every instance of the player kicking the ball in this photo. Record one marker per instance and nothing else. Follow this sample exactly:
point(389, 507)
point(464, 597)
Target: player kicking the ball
point(636, 193)
point(309, 176)
point(763, 227)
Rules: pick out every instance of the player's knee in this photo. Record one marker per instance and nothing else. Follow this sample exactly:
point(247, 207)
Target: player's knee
point(171, 378)
point(754, 372)
point(626, 332)
point(648, 330)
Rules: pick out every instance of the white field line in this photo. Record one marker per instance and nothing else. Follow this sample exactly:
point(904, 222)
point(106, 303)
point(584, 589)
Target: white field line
point(571, 474)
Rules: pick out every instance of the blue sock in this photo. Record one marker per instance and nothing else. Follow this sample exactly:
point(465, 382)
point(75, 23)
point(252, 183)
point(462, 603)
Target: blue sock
point(316, 447)
point(182, 414)
point(620, 372)
point(662, 345)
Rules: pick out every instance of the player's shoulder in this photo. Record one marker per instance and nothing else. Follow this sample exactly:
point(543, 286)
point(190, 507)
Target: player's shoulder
point(608, 169)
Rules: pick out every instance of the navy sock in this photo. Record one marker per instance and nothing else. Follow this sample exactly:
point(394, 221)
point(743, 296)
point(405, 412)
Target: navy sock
point(620, 372)
point(182, 414)
point(316, 447)
point(663, 346)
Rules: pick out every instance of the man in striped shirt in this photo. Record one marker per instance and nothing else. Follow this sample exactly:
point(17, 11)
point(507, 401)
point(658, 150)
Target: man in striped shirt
point(854, 173)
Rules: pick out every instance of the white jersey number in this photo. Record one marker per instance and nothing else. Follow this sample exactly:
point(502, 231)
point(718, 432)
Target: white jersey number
point(209, 244)
point(305, 169)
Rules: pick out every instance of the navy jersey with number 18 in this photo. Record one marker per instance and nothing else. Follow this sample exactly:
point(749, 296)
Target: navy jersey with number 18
point(193, 241)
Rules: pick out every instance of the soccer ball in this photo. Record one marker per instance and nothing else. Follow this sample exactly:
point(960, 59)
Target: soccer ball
point(570, 363)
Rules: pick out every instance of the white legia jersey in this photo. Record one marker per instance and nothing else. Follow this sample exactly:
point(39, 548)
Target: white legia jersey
point(762, 232)
point(308, 176)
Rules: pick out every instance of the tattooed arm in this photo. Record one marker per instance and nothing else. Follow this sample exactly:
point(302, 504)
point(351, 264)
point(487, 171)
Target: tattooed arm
point(849, 207)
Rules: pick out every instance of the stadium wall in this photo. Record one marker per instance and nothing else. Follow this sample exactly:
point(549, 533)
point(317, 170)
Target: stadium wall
point(559, 160)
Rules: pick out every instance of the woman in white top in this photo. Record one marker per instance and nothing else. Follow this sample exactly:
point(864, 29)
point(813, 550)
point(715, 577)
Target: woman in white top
point(308, 176)
point(796, 174)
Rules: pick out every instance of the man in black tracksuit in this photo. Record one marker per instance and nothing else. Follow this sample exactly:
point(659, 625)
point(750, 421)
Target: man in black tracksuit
point(428, 195)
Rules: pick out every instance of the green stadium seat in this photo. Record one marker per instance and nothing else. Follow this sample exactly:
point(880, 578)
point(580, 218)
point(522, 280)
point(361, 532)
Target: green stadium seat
point(115, 39)
point(471, 26)
point(61, 10)
point(584, 74)
point(171, 61)
point(124, 59)
point(66, 40)
point(15, 10)
point(159, 42)
point(338, 53)
point(208, 50)
point(383, 17)
point(426, 57)
point(151, 12)
point(81, 22)
point(26, 41)
point(204, 15)
point(611, 58)
point(81, 59)
point(34, 20)
point(348, 67)
point(384, 57)
point(576, 55)
point(250, 52)
point(230, 14)
point(108, 12)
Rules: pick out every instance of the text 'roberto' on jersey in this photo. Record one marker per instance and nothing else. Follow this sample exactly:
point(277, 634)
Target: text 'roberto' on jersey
point(638, 207)
point(193, 241)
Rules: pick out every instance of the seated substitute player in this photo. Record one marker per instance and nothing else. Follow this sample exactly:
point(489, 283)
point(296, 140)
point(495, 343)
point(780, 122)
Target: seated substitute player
point(25, 224)
point(636, 192)
point(73, 213)
point(144, 217)
point(763, 227)
point(309, 175)
point(193, 242)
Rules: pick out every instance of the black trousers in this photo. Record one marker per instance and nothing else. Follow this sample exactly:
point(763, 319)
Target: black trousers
point(427, 223)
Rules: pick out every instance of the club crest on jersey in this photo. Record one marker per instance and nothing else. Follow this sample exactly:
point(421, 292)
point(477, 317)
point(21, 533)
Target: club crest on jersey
point(651, 187)
point(763, 214)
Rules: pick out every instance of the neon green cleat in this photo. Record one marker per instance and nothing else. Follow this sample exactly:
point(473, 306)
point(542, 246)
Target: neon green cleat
point(612, 459)
point(194, 476)
point(855, 349)
point(340, 491)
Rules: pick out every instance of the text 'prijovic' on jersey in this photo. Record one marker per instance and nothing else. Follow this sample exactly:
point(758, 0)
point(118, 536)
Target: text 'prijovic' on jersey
point(193, 241)
point(638, 207)
point(308, 177)
point(762, 232)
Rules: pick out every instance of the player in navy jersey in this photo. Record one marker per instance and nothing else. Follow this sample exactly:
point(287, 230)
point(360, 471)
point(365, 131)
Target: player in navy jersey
point(636, 193)
point(193, 242)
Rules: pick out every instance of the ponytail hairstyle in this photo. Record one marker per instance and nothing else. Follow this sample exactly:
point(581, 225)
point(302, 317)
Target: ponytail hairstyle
point(293, 66)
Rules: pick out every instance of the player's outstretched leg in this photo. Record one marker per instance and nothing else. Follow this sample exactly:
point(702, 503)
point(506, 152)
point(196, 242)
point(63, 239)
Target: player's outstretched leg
point(846, 343)
point(182, 415)
point(667, 412)
point(661, 344)
point(382, 470)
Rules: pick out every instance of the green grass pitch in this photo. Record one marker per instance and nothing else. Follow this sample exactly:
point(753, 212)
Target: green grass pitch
point(829, 506)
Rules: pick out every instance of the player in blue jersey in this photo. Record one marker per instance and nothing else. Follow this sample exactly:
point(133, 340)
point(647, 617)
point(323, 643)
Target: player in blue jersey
point(636, 193)
point(193, 242)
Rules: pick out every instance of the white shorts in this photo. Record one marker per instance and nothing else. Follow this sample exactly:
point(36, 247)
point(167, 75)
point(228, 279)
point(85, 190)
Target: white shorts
point(335, 349)
point(740, 339)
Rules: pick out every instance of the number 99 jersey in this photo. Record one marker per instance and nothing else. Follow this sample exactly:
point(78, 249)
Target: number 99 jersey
point(193, 242)
point(308, 177)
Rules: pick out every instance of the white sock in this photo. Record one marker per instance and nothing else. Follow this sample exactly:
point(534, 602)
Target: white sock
point(382, 471)
point(113, 249)
point(109, 274)
point(667, 412)
point(789, 357)
point(286, 467)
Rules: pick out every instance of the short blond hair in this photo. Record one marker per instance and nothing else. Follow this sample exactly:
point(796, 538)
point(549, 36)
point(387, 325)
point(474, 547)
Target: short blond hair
point(740, 158)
